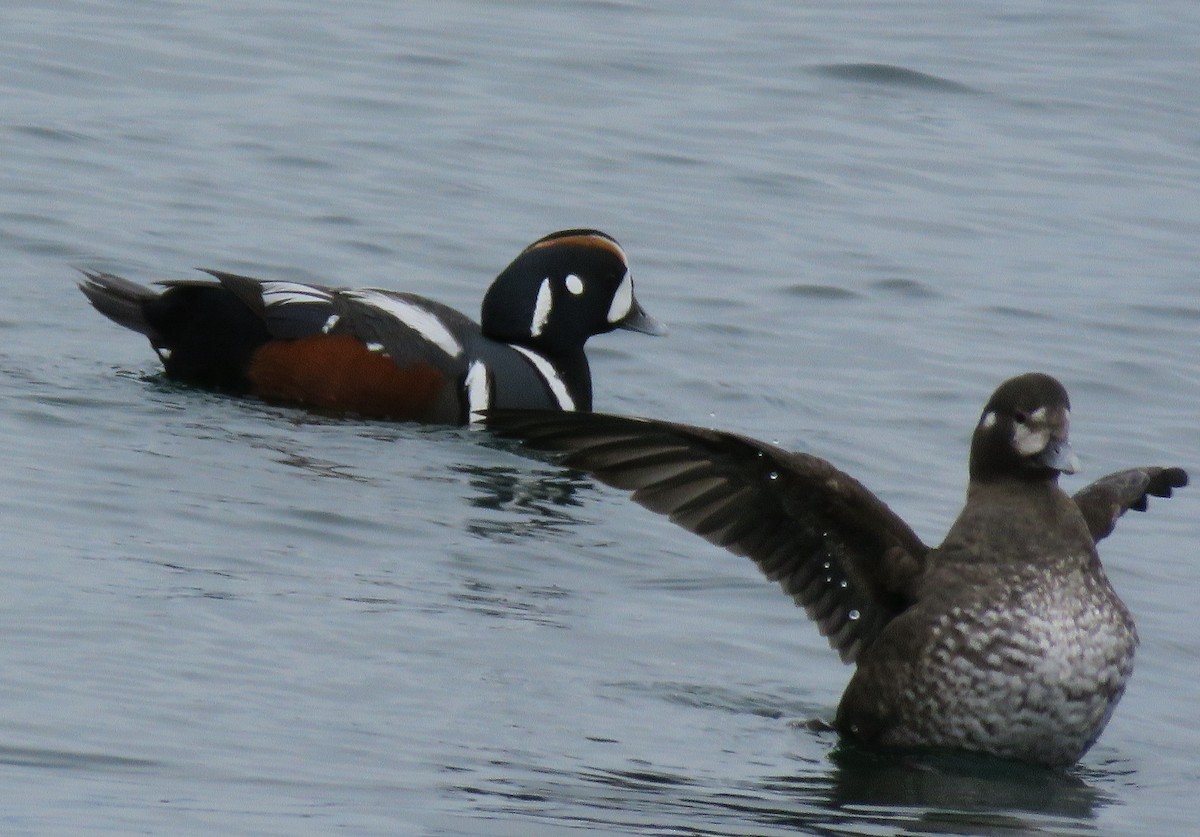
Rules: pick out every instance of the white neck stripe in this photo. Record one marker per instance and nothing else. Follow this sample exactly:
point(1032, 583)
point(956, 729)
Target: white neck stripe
point(550, 376)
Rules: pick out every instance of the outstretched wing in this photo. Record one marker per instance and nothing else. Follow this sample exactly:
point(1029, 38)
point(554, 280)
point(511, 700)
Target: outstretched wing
point(829, 542)
point(1109, 497)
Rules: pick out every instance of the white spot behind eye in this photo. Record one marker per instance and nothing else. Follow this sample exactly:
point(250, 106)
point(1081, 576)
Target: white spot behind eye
point(1038, 415)
point(574, 284)
point(989, 421)
point(541, 309)
point(622, 300)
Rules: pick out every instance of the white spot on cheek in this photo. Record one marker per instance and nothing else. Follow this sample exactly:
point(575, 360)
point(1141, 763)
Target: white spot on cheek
point(622, 300)
point(479, 391)
point(541, 309)
point(574, 284)
point(989, 421)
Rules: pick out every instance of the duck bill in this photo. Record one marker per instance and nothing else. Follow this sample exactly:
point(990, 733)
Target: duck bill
point(638, 320)
point(1059, 456)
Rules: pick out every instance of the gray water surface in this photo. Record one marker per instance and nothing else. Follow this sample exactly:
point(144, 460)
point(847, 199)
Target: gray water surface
point(224, 617)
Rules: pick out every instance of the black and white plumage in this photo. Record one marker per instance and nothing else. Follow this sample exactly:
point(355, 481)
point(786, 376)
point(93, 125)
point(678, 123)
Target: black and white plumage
point(386, 354)
point(1006, 639)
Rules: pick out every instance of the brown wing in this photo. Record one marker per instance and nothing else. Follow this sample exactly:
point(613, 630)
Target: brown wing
point(1109, 497)
point(829, 542)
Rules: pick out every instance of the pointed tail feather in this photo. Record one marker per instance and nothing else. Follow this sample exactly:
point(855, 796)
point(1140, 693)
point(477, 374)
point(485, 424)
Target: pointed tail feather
point(121, 301)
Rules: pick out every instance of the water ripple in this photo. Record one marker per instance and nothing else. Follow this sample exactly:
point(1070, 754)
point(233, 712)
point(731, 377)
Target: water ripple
point(70, 760)
point(889, 75)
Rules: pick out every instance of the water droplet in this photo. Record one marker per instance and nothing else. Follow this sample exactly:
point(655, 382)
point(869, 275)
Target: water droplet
point(829, 579)
point(826, 565)
point(853, 615)
point(843, 584)
point(774, 475)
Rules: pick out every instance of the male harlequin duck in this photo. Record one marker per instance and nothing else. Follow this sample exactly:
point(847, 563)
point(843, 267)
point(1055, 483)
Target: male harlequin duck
point(383, 354)
point(1007, 639)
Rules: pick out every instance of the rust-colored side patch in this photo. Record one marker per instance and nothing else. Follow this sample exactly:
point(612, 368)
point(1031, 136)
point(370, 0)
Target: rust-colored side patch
point(338, 372)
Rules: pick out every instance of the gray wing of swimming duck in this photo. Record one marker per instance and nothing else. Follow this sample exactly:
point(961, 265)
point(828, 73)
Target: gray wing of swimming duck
point(830, 543)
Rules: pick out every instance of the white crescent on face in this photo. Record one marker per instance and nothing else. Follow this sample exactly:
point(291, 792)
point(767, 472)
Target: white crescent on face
point(622, 301)
point(1031, 437)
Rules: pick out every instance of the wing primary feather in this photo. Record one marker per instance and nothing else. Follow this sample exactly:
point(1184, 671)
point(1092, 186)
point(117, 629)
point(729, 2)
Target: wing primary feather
point(830, 543)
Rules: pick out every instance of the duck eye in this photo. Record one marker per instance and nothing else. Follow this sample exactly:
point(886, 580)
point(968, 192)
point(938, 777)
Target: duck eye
point(1020, 417)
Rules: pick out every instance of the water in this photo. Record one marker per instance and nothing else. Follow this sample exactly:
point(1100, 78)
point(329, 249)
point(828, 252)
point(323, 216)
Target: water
point(224, 617)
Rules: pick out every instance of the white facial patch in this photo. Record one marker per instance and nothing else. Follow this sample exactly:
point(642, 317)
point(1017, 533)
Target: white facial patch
point(550, 376)
point(622, 300)
point(283, 293)
point(1029, 441)
point(541, 308)
point(574, 284)
point(423, 321)
point(988, 421)
point(479, 391)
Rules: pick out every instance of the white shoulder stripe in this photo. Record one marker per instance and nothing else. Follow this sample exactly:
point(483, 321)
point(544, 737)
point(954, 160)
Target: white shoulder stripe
point(421, 320)
point(479, 391)
point(550, 375)
point(283, 293)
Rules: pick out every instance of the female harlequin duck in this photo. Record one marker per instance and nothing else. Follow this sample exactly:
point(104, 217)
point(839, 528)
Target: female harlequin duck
point(1007, 639)
point(383, 354)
